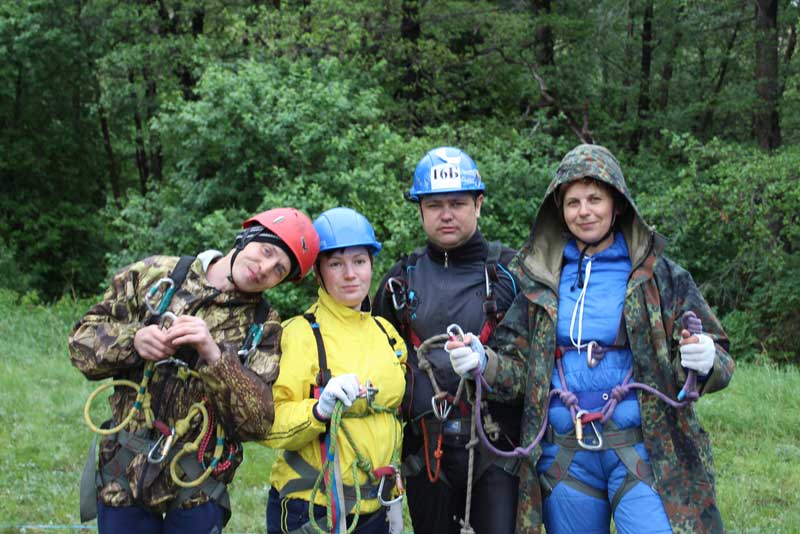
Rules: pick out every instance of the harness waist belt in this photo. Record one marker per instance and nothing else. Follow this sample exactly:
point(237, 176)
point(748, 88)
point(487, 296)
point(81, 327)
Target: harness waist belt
point(308, 477)
point(591, 400)
point(612, 439)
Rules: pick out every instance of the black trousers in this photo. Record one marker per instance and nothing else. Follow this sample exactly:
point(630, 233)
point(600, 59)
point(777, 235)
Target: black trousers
point(438, 508)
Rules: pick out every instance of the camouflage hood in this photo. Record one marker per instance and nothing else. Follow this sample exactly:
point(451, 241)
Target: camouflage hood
point(540, 257)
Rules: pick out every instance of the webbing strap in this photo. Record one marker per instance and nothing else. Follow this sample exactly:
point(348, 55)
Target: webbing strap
point(213, 488)
point(88, 488)
point(308, 476)
point(620, 441)
point(324, 374)
point(613, 439)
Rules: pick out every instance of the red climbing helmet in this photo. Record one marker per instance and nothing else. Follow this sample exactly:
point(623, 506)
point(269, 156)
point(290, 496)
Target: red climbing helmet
point(295, 229)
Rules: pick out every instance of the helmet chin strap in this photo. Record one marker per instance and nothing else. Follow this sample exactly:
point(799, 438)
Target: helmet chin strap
point(230, 274)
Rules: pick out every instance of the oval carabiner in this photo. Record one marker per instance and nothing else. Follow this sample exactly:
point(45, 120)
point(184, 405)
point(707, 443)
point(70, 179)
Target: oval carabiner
point(166, 316)
point(397, 290)
point(590, 360)
point(152, 293)
point(455, 332)
point(441, 412)
point(165, 448)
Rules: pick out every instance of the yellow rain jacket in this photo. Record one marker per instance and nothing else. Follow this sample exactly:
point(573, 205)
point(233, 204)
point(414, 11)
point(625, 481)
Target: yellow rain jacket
point(353, 344)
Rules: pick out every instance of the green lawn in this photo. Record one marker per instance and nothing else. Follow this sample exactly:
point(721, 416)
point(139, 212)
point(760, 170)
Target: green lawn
point(753, 426)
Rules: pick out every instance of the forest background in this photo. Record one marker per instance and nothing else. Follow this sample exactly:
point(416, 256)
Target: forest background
point(155, 126)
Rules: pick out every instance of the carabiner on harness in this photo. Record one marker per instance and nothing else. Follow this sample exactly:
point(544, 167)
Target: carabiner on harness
point(157, 458)
point(579, 432)
point(591, 361)
point(390, 473)
point(397, 288)
point(251, 341)
point(441, 409)
point(368, 391)
point(166, 316)
point(164, 302)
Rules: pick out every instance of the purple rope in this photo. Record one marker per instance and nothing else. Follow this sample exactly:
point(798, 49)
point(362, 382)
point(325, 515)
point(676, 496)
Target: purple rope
point(571, 400)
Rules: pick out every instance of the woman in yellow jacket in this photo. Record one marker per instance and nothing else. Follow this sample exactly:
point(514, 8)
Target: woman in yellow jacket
point(336, 398)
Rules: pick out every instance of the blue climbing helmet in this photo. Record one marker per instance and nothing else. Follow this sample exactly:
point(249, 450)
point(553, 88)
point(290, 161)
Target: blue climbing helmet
point(445, 170)
point(345, 227)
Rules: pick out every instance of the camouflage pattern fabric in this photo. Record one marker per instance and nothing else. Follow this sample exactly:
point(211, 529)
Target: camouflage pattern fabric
point(658, 293)
point(101, 346)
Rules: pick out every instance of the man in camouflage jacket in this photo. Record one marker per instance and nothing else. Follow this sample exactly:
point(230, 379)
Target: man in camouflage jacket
point(214, 307)
point(658, 293)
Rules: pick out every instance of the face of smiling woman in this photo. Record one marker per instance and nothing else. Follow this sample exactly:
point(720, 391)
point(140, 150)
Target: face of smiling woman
point(588, 209)
point(346, 275)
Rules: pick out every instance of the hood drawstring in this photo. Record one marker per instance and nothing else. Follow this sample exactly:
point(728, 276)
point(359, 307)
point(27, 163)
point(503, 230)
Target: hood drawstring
point(579, 304)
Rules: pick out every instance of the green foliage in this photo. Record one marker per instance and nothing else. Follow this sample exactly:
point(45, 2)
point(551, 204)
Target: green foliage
point(732, 215)
point(136, 128)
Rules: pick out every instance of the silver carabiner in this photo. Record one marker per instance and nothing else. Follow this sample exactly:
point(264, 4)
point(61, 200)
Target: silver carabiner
point(166, 316)
point(152, 293)
point(590, 360)
point(579, 433)
point(441, 412)
point(165, 448)
point(172, 361)
point(368, 392)
point(383, 502)
point(395, 287)
point(455, 332)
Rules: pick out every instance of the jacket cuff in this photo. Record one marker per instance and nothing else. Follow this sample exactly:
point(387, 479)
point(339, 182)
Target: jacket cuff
point(490, 373)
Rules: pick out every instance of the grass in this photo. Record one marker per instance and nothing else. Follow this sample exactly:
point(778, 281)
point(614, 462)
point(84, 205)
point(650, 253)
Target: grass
point(753, 426)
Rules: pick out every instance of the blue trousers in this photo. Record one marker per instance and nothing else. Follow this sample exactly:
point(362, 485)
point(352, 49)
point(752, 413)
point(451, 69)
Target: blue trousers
point(567, 510)
point(204, 519)
point(286, 515)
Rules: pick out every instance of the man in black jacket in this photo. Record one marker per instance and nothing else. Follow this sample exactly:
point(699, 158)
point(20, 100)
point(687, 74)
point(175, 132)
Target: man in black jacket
point(457, 278)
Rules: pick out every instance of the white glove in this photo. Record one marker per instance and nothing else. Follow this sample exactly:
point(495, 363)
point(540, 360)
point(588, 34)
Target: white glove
point(343, 388)
point(465, 359)
point(699, 356)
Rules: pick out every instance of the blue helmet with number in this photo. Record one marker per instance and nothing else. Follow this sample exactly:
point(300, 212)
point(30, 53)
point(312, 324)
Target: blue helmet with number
point(445, 170)
point(345, 227)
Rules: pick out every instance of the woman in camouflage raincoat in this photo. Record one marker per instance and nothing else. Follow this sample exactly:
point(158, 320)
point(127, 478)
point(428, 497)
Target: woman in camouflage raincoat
point(655, 472)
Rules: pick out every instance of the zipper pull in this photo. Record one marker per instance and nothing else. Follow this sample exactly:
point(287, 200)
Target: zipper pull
point(445, 259)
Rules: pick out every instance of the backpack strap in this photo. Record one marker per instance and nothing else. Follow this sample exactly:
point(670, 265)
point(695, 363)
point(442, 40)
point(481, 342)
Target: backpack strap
point(324, 374)
point(392, 342)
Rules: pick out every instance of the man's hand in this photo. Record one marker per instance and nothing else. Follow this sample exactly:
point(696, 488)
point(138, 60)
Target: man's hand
point(152, 344)
point(193, 331)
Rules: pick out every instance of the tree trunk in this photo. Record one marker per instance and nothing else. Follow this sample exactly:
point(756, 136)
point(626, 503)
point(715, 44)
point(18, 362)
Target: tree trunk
point(766, 118)
point(643, 106)
point(667, 69)
point(545, 44)
point(708, 116)
point(142, 166)
point(628, 53)
point(410, 32)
